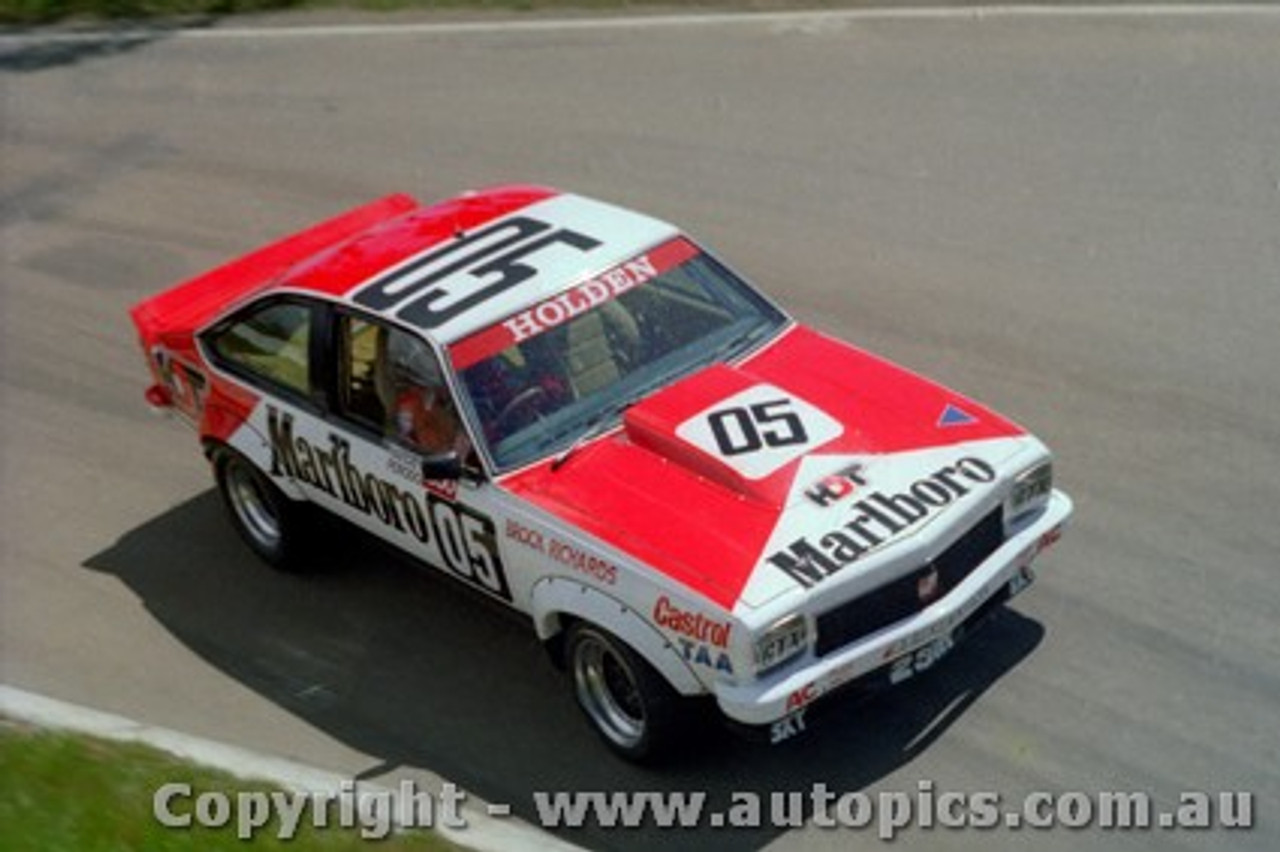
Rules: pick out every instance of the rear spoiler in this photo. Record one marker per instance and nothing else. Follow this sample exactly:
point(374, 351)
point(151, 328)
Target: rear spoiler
point(188, 305)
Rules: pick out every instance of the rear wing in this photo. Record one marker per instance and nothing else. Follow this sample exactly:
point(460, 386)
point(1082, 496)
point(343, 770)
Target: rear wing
point(187, 306)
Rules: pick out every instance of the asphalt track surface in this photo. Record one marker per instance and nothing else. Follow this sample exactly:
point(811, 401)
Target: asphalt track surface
point(1073, 218)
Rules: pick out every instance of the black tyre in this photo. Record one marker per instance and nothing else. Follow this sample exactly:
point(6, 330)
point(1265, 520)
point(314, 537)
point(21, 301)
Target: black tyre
point(630, 705)
point(270, 523)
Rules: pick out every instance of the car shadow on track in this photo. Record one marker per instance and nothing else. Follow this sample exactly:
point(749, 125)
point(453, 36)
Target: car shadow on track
point(406, 665)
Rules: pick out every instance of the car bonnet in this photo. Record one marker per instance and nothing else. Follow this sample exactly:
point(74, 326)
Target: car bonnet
point(710, 476)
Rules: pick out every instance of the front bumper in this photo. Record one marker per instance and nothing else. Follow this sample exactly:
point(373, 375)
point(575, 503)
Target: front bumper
point(904, 648)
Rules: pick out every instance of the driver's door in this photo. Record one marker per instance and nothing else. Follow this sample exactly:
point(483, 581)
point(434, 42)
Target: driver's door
point(390, 404)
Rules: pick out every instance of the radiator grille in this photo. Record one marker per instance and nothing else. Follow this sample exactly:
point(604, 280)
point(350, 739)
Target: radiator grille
point(900, 598)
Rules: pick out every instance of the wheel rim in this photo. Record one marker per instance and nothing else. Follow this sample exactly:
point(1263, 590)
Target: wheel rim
point(252, 506)
point(607, 690)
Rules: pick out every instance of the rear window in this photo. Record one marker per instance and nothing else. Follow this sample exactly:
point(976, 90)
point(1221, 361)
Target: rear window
point(270, 344)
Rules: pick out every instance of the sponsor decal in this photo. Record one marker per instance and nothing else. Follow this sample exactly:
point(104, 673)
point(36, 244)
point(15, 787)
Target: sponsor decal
point(566, 554)
point(187, 386)
point(787, 727)
point(404, 465)
point(1025, 577)
point(837, 486)
point(563, 307)
point(580, 560)
point(446, 489)
point(802, 696)
point(449, 280)
point(407, 465)
point(759, 430)
point(953, 415)
point(703, 655)
point(527, 536)
point(694, 625)
point(879, 517)
point(1049, 539)
point(464, 538)
point(702, 640)
point(919, 660)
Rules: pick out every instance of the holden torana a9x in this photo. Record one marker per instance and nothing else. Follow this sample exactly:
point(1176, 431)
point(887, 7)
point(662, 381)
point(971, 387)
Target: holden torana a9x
point(583, 414)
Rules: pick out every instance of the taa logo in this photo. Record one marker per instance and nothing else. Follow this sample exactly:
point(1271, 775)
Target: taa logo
point(703, 655)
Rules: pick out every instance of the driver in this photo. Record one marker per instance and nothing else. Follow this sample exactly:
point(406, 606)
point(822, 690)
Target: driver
point(423, 412)
point(515, 387)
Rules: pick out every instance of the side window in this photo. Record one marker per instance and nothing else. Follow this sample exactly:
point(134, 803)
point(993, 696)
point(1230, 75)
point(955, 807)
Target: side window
point(364, 389)
point(270, 344)
point(390, 381)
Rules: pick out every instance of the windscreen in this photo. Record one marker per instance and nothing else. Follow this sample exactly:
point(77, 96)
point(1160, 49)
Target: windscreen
point(542, 378)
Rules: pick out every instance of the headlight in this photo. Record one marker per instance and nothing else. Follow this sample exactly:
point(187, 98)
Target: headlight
point(783, 640)
point(1031, 490)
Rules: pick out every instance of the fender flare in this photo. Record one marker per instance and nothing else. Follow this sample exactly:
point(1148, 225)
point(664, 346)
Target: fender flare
point(554, 597)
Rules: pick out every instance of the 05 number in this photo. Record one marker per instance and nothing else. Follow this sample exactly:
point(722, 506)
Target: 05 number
point(469, 548)
point(431, 290)
point(747, 429)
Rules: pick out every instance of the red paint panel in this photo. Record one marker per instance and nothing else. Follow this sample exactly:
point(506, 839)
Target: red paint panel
point(696, 532)
point(188, 306)
point(885, 408)
point(331, 257)
point(226, 410)
point(647, 493)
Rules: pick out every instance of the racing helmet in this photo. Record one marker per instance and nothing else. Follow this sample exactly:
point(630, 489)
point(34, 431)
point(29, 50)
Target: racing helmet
point(412, 363)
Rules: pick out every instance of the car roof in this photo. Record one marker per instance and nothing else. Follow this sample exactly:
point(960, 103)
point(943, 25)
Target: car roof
point(453, 268)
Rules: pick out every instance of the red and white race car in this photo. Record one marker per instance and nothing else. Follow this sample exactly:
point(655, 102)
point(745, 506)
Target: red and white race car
point(580, 412)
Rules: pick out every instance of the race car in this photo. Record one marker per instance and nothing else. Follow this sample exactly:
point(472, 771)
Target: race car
point(583, 414)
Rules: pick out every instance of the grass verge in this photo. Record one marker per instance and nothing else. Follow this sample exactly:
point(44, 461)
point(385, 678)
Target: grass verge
point(81, 794)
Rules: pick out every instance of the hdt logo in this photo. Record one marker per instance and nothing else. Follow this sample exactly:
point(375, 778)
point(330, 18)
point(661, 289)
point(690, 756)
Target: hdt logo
point(837, 486)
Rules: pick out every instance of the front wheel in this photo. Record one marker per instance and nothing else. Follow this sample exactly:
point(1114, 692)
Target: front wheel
point(631, 706)
point(267, 520)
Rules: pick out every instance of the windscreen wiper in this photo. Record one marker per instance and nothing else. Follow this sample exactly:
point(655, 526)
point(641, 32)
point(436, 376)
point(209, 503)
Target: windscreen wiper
point(596, 426)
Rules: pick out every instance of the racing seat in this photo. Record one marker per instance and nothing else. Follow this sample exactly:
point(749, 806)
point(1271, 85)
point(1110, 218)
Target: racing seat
point(600, 347)
point(384, 385)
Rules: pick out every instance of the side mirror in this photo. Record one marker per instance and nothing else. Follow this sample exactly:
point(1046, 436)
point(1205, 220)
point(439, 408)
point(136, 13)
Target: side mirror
point(442, 466)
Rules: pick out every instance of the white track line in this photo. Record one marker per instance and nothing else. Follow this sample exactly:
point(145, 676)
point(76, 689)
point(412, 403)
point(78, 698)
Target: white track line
point(651, 22)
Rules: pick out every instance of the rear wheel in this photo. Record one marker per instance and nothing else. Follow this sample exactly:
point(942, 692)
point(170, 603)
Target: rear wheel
point(631, 706)
point(268, 521)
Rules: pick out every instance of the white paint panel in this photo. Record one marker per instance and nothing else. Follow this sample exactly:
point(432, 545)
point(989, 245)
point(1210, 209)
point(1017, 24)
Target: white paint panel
point(887, 476)
point(759, 430)
point(614, 234)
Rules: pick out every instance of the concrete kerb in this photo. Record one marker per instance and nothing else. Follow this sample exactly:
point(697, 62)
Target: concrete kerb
point(483, 832)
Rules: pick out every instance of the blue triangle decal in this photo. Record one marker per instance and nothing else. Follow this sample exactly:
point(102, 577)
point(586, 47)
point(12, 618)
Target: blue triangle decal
point(955, 416)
